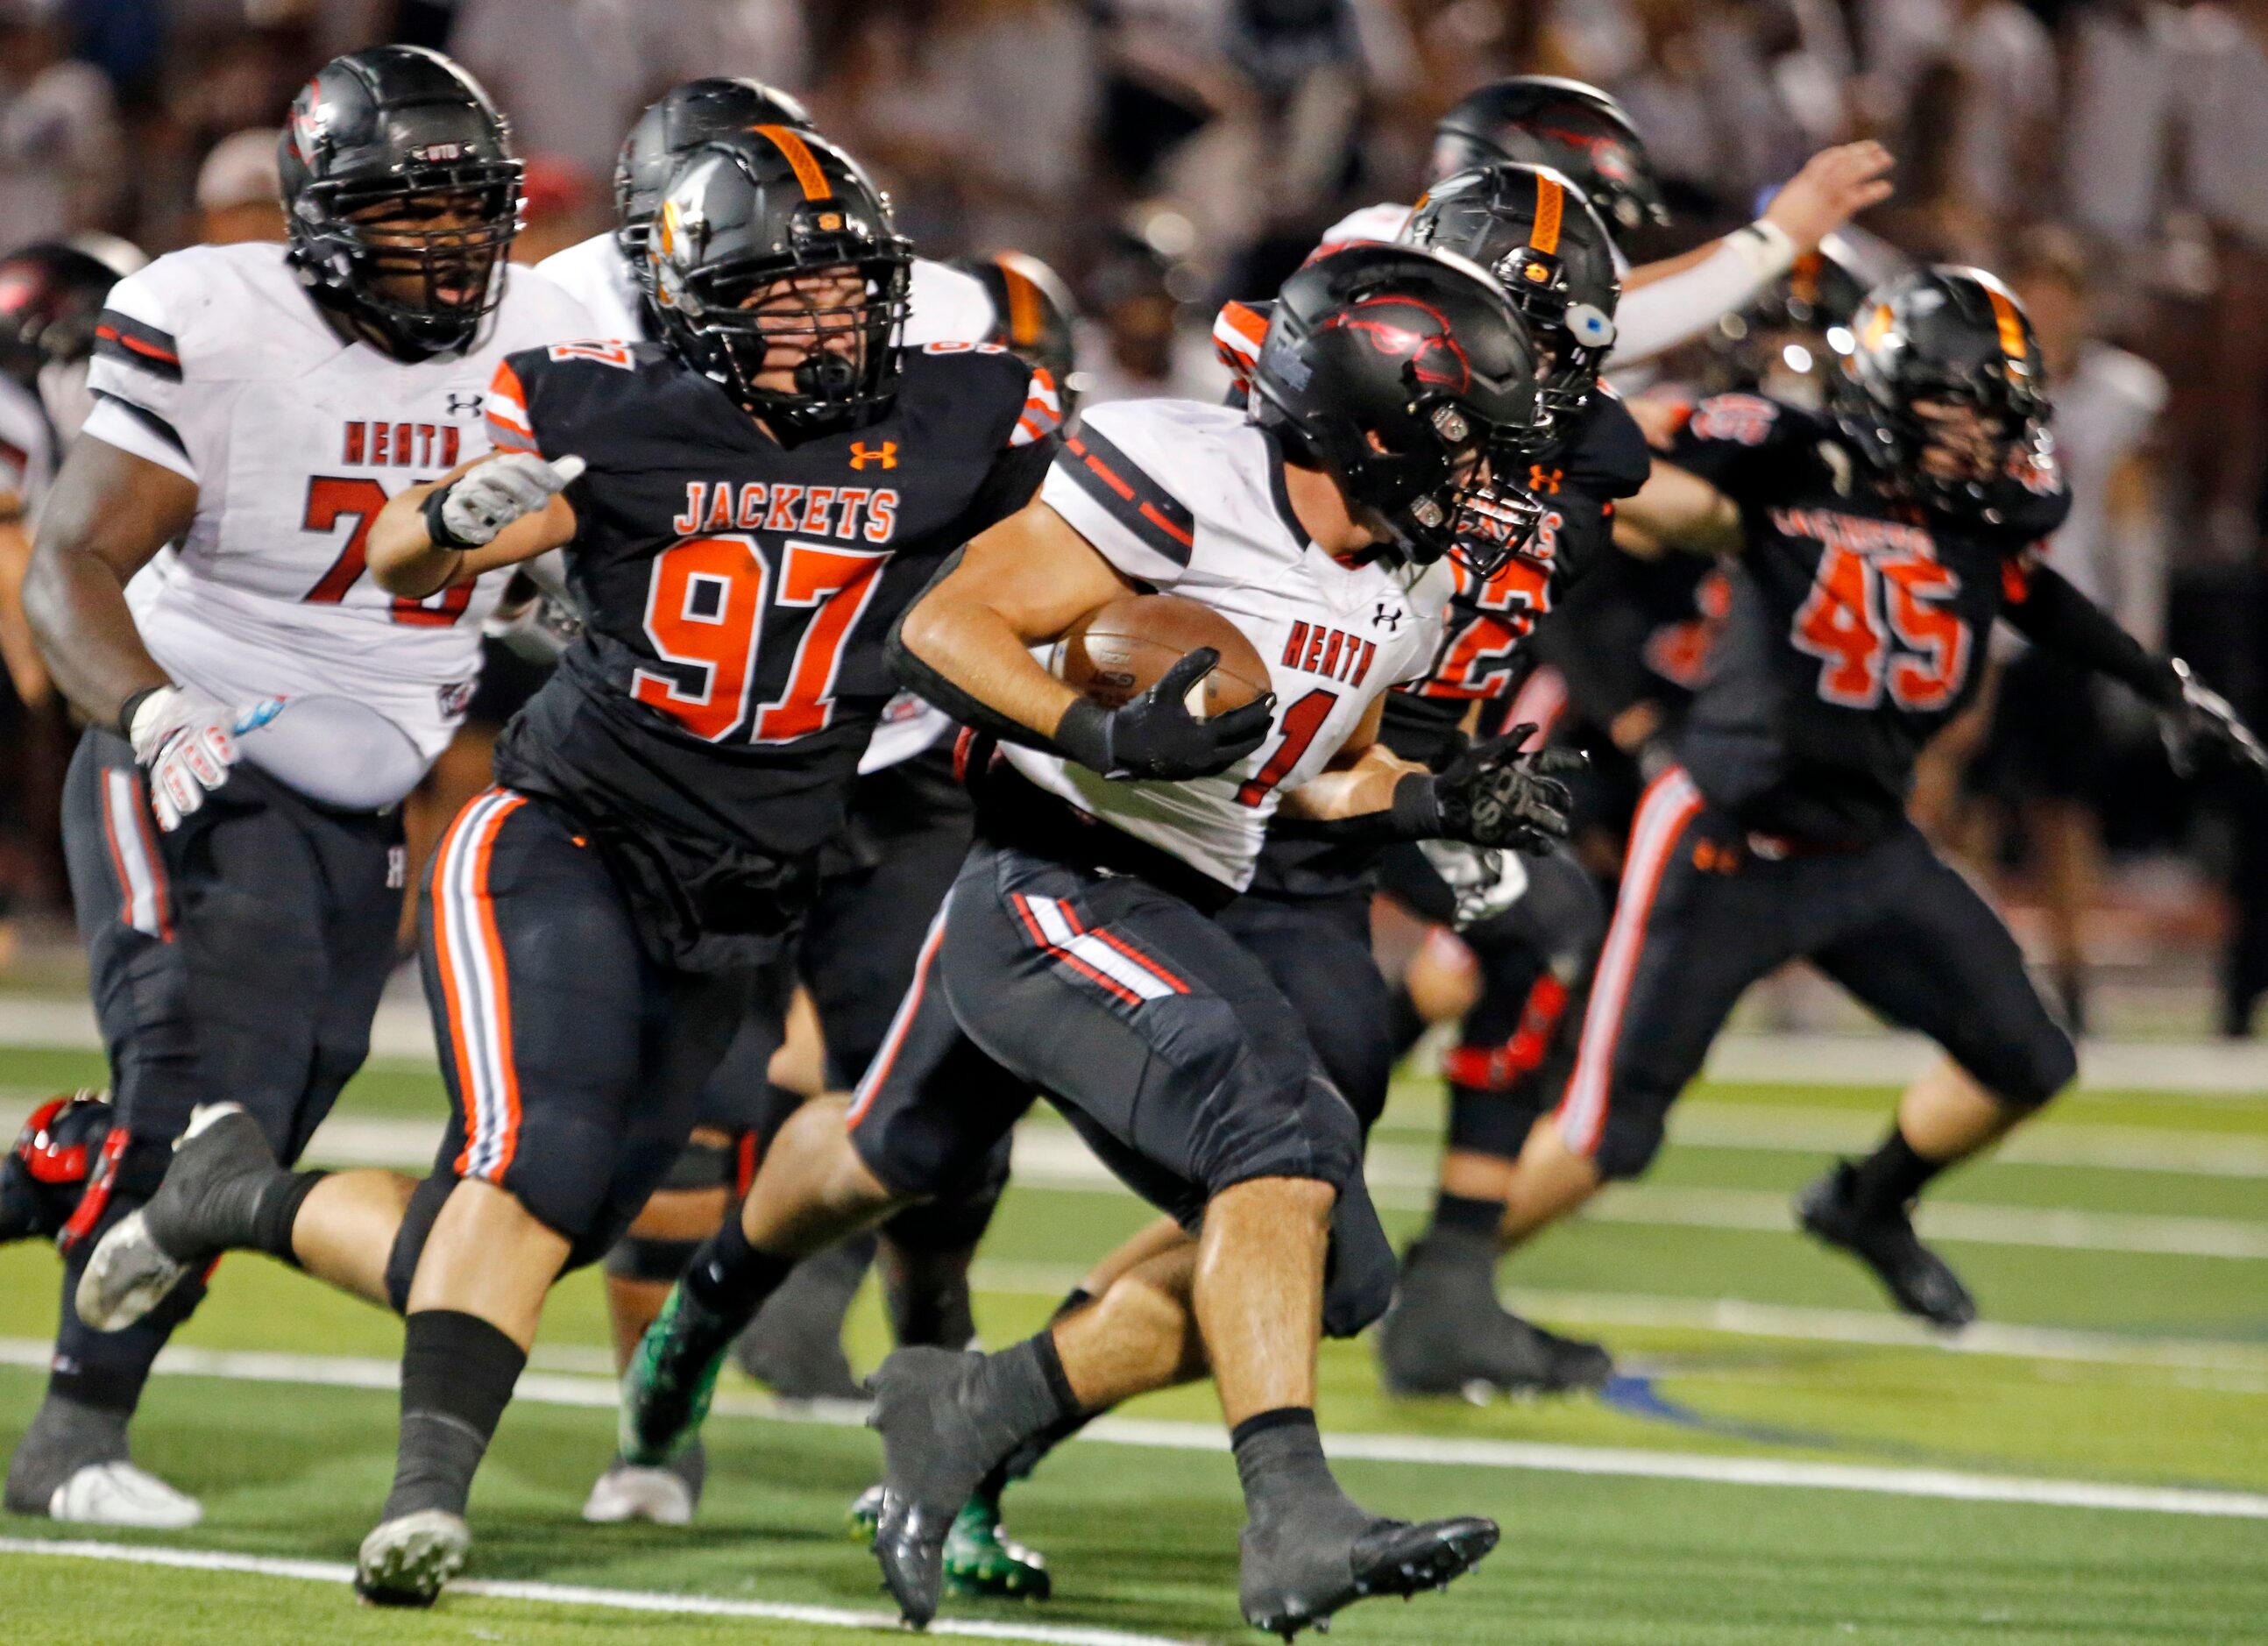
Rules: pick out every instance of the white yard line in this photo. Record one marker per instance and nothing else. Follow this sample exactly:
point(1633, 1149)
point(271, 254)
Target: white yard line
point(554, 1388)
point(572, 1594)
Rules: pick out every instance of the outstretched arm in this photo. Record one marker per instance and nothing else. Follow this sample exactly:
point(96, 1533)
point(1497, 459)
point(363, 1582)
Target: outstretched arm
point(494, 511)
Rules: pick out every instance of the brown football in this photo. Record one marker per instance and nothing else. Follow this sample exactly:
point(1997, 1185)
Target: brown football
point(1119, 650)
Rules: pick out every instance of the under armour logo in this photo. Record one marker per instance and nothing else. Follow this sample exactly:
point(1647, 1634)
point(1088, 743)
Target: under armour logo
point(462, 404)
point(1388, 620)
point(862, 453)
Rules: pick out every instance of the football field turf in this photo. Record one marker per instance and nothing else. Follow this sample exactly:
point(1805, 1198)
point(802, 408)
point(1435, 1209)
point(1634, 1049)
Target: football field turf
point(1786, 1461)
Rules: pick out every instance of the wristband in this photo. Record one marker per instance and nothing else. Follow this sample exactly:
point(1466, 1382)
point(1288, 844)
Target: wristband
point(1083, 735)
point(1417, 809)
point(436, 529)
point(1766, 247)
point(132, 706)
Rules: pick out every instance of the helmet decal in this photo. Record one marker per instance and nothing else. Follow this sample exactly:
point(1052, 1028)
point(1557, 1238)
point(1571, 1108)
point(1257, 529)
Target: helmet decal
point(1433, 354)
point(1550, 200)
point(808, 172)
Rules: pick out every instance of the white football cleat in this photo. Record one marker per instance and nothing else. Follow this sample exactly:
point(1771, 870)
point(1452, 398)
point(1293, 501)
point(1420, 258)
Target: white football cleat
point(629, 1491)
point(405, 1561)
point(118, 1494)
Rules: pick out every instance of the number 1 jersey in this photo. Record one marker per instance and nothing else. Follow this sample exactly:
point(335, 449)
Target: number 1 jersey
point(707, 724)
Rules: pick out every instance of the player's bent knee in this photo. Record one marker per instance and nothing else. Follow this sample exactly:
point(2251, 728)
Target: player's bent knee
point(2027, 1075)
point(1360, 1273)
point(956, 1220)
point(650, 1258)
point(1630, 1141)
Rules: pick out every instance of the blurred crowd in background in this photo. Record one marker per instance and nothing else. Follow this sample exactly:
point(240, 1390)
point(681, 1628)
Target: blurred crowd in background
point(2110, 155)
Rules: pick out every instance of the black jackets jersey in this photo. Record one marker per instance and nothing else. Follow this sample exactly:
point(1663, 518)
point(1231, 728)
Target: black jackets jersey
point(1601, 458)
point(707, 724)
point(1856, 627)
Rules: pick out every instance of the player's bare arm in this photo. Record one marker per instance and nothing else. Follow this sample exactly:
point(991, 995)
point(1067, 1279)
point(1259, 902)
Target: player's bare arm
point(1360, 779)
point(1677, 509)
point(107, 516)
point(515, 490)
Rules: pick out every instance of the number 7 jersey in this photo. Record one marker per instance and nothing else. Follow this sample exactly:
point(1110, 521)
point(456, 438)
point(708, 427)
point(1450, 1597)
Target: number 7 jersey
point(215, 363)
point(737, 594)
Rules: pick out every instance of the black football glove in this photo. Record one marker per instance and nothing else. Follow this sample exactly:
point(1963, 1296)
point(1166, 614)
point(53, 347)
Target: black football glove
point(2204, 721)
point(1155, 736)
point(1495, 795)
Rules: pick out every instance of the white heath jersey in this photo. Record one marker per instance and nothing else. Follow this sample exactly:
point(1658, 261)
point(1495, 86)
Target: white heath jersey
point(1189, 498)
point(945, 306)
point(215, 363)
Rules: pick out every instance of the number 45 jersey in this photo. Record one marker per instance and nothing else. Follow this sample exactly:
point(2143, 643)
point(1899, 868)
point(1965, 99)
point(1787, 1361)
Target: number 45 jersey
point(215, 363)
point(1857, 626)
point(708, 723)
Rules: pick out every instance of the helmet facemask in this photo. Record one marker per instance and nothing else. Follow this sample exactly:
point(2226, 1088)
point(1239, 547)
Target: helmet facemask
point(420, 258)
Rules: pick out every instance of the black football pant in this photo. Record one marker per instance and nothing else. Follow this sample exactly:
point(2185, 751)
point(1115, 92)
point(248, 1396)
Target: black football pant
point(574, 1060)
point(1707, 909)
point(1155, 1032)
point(239, 958)
point(1515, 1047)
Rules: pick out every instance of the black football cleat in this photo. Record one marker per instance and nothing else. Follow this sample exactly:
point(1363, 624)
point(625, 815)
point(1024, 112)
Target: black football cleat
point(1918, 1279)
point(794, 1345)
point(939, 1443)
point(1296, 1576)
point(203, 1208)
point(1447, 1334)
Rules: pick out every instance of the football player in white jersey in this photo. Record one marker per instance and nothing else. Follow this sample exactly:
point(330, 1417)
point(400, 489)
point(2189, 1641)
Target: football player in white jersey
point(1075, 956)
point(1542, 120)
point(258, 706)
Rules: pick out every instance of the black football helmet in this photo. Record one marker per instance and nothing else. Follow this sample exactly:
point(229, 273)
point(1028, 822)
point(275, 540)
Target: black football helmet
point(685, 117)
point(1397, 371)
point(46, 1171)
point(51, 297)
point(1957, 338)
point(1034, 312)
point(1791, 341)
point(404, 130)
point(760, 207)
point(1577, 130)
point(1532, 230)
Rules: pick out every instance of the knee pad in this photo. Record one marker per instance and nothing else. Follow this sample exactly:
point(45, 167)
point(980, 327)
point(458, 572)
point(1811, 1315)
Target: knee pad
point(2026, 1074)
point(701, 1165)
point(1360, 1273)
point(1631, 1138)
point(1493, 1122)
point(425, 1203)
point(646, 1258)
point(957, 1221)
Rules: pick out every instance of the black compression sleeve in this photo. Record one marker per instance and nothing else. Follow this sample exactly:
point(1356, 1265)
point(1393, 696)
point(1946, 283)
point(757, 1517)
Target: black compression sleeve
point(926, 682)
point(1415, 814)
point(2057, 616)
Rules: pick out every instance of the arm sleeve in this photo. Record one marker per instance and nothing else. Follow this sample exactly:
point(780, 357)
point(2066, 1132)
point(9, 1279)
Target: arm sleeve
point(1677, 308)
point(2049, 612)
point(140, 397)
point(1100, 485)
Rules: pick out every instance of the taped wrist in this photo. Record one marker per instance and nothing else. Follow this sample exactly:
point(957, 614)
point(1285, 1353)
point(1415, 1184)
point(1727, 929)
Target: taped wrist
point(436, 528)
point(132, 706)
point(1766, 247)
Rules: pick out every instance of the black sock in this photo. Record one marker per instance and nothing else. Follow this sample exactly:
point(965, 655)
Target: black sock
point(1279, 1461)
point(730, 1279)
point(1888, 1179)
point(1460, 1214)
point(276, 1209)
point(456, 1375)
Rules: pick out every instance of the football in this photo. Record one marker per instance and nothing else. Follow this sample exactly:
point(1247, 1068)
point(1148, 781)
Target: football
point(1118, 651)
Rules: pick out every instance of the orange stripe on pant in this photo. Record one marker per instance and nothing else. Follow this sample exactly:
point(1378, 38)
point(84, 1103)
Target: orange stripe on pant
point(469, 953)
point(1670, 802)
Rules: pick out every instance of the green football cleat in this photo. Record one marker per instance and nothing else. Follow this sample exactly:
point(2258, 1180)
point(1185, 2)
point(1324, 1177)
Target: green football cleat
point(979, 1559)
point(671, 1380)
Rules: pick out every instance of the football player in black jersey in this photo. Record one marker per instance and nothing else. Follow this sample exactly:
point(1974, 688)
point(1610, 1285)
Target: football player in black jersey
point(1876, 547)
point(745, 508)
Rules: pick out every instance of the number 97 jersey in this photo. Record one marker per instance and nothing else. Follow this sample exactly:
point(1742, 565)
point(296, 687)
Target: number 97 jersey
point(737, 592)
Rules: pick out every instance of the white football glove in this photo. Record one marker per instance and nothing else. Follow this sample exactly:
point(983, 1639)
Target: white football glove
point(187, 742)
point(508, 487)
point(1485, 879)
